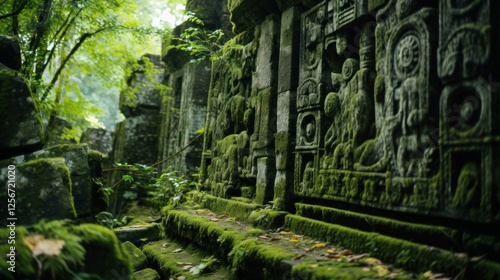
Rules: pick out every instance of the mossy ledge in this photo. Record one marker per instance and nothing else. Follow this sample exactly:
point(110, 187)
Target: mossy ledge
point(236, 209)
point(401, 253)
point(431, 235)
point(170, 258)
point(229, 245)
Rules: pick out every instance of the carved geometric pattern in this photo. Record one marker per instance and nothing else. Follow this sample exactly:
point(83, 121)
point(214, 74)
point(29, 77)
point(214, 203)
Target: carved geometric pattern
point(407, 55)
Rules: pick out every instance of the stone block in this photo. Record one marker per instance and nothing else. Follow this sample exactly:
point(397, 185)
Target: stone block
point(138, 258)
point(21, 126)
point(98, 139)
point(287, 112)
point(11, 55)
point(43, 190)
point(265, 180)
point(289, 50)
point(266, 74)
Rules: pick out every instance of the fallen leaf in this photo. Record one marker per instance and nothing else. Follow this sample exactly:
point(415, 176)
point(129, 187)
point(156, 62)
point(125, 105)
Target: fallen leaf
point(186, 267)
point(346, 253)
point(333, 256)
point(38, 245)
point(477, 258)
point(275, 238)
point(214, 219)
point(372, 261)
point(319, 245)
point(183, 263)
point(285, 232)
point(357, 257)
point(330, 251)
point(313, 266)
point(263, 237)
point(296, 237)
point(177, 250)
point(382, 270)
point(366, 268)
point(298, 257)
point(167, 244)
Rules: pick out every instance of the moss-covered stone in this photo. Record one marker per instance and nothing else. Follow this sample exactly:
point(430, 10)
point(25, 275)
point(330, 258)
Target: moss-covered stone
point(43, 190)
point(147, 274)
point(136, 255)
point(174, 259)
point(432, 235)
point(236, 209)
point(104, 254)
point(138, 233)
point(267, 218)
point(88, 250)
point(21, 125)
point(248, 255)
point(408, 255)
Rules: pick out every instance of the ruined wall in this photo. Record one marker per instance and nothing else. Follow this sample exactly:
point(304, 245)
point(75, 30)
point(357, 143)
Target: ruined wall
point(386, 104)
point(136, 138)
point(186, 110)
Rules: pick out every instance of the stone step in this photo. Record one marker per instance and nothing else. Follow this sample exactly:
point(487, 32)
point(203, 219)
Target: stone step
point(253, 253)
point(226, 240)
point(177, 260)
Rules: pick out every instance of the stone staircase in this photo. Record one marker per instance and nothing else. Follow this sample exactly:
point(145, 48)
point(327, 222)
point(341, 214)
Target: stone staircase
point(216, 238)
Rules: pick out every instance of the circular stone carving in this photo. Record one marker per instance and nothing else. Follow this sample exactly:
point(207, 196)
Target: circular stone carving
point(407, 55)
point(350, 67)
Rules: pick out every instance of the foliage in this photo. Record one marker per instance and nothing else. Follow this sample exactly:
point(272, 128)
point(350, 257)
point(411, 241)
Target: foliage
point(56, 250)
point(166, 188)
point(199, 42)
point(107, 219)
point(75, 53)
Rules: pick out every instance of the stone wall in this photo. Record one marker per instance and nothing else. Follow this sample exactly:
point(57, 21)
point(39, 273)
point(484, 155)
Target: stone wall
point(185, 112)
point(386, 104)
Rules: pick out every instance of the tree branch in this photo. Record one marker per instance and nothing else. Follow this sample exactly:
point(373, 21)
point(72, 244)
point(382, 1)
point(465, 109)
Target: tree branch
point(16, 11)
point(61, 32)
point(81, 40)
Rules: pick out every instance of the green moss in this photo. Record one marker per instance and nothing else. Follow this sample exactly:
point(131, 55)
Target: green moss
point(147, 274)
point(171, 261)
point(432, 235)
point(104, 254)
point(52, 198)
point(25, 265)
point(95, 163)
point(236, 209)
point(137, 256)
point(249, 254)
point(267, 218)
point(255, 232)
point(337, 271)
point(388, 249)
point(207, 234)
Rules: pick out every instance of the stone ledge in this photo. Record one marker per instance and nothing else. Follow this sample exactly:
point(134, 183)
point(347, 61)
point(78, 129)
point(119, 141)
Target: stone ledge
point(244, 248)
point(247, 13)
point(409, 255)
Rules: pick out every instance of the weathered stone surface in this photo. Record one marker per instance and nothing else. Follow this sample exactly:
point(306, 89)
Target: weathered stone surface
point(11, 55)
point(248, 13)
point(98, 139)
point(42, 191)
point(21, 126)
point(83, 169)
point(137, 257)
point(138, 233)
point(147, 274)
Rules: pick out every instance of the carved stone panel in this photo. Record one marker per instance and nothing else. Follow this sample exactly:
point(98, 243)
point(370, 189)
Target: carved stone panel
point(464, 43)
